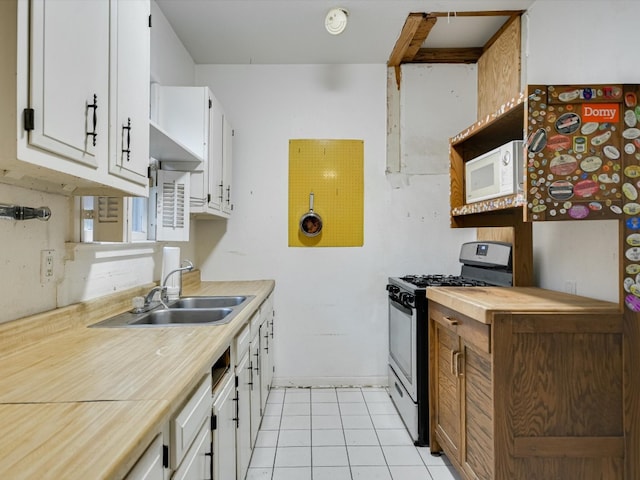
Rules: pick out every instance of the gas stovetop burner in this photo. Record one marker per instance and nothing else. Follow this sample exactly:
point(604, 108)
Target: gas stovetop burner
point(442, 281)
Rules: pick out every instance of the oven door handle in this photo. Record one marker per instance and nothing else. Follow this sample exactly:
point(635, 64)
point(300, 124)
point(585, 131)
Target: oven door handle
point(407, 309)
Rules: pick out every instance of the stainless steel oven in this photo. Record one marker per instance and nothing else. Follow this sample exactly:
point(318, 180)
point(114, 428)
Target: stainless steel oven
point(483, 263)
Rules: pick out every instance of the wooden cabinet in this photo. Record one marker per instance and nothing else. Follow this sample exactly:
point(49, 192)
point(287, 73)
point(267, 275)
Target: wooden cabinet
point(61, 81)
point(483, 136)
point(463, 390)
point(526, 383)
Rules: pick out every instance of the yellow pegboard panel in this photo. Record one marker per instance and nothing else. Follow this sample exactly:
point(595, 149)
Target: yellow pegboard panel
point(334, 171)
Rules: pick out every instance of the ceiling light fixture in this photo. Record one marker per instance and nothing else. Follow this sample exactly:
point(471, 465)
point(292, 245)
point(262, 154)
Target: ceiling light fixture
point(336, 21)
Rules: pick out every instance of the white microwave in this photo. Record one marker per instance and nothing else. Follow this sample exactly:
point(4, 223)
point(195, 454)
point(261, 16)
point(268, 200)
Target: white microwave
point(495, 173)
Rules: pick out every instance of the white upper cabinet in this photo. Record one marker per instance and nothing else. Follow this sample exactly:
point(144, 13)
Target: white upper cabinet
point(227, 155)
point(191, 133)
point(69, 78)
point(129, 125)
point(64, 67)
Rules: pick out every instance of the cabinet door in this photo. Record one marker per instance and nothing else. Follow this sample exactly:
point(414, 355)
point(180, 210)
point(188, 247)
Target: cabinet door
point(224, 433)
point(150, 465)
point(129, 76)
point(215, 183)
point(255, 366)
point(227, 154)
point(447, 398)
point(196, 464)
point(477, 456)
point(69, 79)
point(243, 432)
point(266, 353)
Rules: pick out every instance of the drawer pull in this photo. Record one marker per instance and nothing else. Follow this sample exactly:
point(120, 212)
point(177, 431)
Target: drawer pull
point(450, 321)
point(457, 367)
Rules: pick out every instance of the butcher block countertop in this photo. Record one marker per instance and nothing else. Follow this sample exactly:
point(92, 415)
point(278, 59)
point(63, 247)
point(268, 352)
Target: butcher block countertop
point(480, 303)
point(78, 402)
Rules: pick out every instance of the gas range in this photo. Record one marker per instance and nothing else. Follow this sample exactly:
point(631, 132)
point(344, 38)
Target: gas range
point(483, 264)
point(439, 280)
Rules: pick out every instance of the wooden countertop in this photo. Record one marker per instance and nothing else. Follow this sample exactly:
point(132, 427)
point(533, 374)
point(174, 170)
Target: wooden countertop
point(98, 396)
point(480, 303)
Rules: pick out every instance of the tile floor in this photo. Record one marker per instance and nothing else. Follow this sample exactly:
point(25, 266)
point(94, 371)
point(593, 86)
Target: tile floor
point(339, 434)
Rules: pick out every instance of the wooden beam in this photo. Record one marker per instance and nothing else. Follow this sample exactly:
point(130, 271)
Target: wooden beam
point(411, 26)
point(419, 37)
point(448, 55)
point(488, 13)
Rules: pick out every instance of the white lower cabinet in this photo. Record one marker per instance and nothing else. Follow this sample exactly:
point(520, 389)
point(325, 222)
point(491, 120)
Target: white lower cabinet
point(266, 351)
point(243, 394)
point(223, 426)
point(150, 465)
point(196, 464)
point(186, 425)
point(254, 362)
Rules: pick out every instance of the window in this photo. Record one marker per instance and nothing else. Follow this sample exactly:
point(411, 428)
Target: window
point(113, 219)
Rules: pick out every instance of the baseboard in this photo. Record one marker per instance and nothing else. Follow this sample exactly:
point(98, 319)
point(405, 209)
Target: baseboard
point(300, 382)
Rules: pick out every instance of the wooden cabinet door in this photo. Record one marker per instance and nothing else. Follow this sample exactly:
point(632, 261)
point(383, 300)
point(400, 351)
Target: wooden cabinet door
point(243, 431)
point(477, 421)
point(447, 396)
point(129, 76)
point(224, 433)
point(69, 80)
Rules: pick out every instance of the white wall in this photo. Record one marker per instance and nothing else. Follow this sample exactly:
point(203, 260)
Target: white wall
point(592, 41)
point(331, 302)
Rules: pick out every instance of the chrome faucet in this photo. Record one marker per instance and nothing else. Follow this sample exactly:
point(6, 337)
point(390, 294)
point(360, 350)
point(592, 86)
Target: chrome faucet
point(188, 266)
point(162, 289)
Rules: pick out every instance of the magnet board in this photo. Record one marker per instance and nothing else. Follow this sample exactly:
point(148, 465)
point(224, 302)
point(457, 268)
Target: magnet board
point(333, 170)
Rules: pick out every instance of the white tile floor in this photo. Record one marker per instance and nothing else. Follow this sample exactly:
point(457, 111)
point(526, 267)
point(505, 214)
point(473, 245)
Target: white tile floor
point(339, 434)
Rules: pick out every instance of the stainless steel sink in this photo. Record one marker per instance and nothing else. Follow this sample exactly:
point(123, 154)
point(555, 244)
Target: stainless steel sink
point(187, 311)
point(208, 302)
point(208, 316)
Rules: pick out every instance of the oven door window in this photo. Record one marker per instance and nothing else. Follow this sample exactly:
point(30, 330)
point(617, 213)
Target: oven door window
point(401, 339)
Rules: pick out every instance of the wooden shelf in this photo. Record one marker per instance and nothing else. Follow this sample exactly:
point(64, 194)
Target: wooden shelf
point(490, 213)
point(483, 136)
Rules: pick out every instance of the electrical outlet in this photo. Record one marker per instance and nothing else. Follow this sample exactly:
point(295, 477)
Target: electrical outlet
point(46, 265)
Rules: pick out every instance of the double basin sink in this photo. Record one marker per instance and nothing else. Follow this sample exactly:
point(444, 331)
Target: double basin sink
point(187, 311)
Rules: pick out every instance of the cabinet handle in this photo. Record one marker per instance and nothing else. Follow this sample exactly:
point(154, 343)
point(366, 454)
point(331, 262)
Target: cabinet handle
point(256, 369)
point(221, 196)
point(450, 321)
point(127, 128)
point(94, 105)
point(453, 363)
point(236, 419)
point(228, 194)
point(457, 365)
